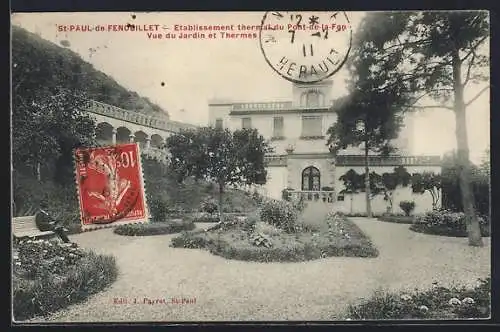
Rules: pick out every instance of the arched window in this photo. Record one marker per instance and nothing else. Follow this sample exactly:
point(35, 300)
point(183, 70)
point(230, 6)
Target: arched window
point(311, 179)
point(312, 98)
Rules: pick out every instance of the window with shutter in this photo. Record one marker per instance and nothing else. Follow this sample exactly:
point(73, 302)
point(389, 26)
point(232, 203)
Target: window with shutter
point(278, 127)
point(218, 124)
point(246, 123)
point(312, 126)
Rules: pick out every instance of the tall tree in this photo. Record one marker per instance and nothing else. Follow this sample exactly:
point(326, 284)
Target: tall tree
point(371, 122)
point(411, 57)
point(47, 116)
point(220, 156)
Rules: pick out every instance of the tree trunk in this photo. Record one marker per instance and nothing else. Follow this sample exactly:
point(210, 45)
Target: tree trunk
point(391, 208)
point(352, 198)
point(221, 192)
point(367, 183)
point(472, 222)
point(37, 171)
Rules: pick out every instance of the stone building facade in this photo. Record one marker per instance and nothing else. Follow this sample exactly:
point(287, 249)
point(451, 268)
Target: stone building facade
point(301, 159)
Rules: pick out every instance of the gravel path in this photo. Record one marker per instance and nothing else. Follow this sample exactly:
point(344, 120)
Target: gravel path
point(227, 290)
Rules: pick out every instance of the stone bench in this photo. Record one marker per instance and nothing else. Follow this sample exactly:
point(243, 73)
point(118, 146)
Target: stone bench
point(25, 227)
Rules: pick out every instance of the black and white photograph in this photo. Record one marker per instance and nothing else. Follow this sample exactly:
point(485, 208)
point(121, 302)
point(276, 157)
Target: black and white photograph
point(280, 166)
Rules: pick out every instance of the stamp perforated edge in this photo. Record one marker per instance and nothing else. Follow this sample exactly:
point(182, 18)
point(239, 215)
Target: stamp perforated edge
point(147, 216)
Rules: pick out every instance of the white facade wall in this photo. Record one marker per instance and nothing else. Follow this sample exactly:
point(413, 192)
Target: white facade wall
point(357, 203)
point(276, 181)
point(292, 130)
point(219, 111)
point(280, 177)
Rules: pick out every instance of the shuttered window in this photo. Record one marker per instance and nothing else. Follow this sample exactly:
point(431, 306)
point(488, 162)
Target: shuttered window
point(278, 127)
point(312, 126)
point(246, 123)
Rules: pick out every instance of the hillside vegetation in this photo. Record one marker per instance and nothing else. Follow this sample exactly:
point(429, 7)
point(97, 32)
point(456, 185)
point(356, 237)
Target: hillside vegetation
point(56, 66)
point(48, 125)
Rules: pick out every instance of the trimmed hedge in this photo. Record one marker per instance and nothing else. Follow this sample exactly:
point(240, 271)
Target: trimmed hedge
point(397, 219)
point(445, 231)
point(447, 223)
point(153, 228)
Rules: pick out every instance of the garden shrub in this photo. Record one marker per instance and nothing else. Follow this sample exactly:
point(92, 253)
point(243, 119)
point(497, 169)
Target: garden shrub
point(153, 228)
point(435, 303)
point(447, 223)
point(266, 229)
point(250, 221)
point(209, 206)
point(299, 204)
point(258, 198)
point(285, 194)
point(280, 214)
point(189, 240)
point(159, 210)
point(48, 276)
point(261, 240)
point(407, 207)
point(29, 193)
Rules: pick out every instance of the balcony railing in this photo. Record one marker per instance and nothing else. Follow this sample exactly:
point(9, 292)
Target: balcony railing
point(159, 154)
point(312, 196)
point(135, 117)
point(355, 160)
point(358, 160)
point(272, 106)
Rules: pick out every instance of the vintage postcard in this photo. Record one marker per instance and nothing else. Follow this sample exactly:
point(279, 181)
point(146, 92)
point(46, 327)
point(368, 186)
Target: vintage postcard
point(250, 166)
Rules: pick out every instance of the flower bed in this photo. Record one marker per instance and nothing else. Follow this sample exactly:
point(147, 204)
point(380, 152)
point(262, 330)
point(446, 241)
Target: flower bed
point(255, 240)
point(435, 303)
point(446, 223)
point(159, 228)
point(49, 275)
point(397, 219)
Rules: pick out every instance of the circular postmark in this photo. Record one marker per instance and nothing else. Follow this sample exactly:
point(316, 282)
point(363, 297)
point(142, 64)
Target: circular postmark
point(305, 47)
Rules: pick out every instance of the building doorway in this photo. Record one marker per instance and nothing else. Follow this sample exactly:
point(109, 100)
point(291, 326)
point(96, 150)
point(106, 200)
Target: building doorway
point(311, 179)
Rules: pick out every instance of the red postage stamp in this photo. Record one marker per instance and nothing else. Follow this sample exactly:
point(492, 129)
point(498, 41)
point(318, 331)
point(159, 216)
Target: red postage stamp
point(110, 185)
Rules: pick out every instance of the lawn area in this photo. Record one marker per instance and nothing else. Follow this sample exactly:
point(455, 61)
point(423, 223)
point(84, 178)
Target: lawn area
point(315, 234)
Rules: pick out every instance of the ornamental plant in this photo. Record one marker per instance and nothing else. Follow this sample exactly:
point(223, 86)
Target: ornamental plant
point(209, 206)
point(407, 207)
point(280, 214)
point(37, 257)
point(447, 221)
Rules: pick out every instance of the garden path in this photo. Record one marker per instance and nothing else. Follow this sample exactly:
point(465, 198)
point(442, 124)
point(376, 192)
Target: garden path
point(228, 290)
